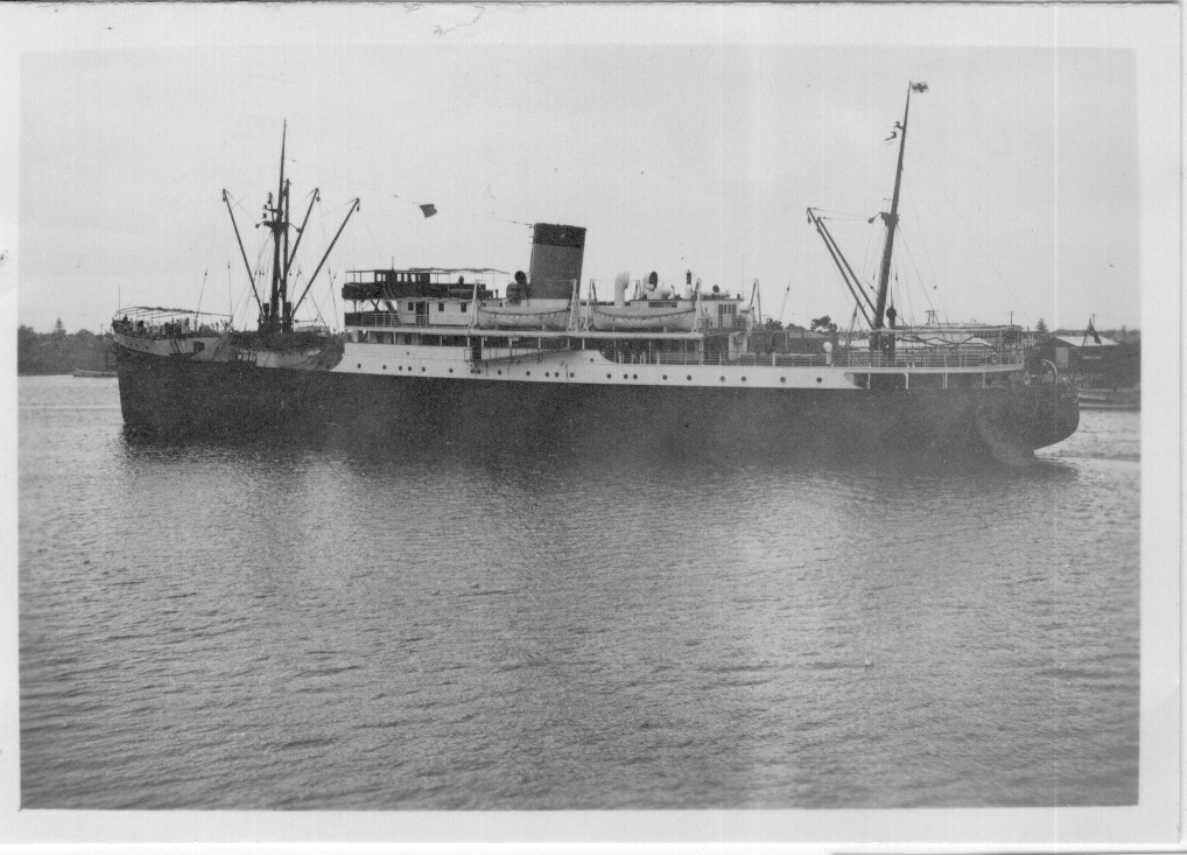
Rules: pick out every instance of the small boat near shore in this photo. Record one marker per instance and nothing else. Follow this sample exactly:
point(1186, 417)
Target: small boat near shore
point(1110, 399)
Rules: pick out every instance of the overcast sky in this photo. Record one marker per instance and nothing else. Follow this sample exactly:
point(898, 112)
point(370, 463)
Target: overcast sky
point(1021, 186)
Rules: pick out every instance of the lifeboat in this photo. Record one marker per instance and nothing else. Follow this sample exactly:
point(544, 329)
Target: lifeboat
point(644, 316)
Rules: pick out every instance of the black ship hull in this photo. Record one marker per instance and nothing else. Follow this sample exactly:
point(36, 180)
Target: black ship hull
point(173, 398)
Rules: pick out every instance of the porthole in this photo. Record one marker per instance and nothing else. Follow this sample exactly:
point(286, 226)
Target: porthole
point(743, 379)
point(546, 374)
point(782, 379)
point(626, 377)
point(359, 365)
point(634, 376)
point(500, 373)
point(819, 379)
point(385, 368)
point(571, 374)
point(665, 376)
point(689, 377)
point(607, 376)
point(591, 360)
point(722, 379)
point(450, 370)
point(528, 373)
point(423, 369)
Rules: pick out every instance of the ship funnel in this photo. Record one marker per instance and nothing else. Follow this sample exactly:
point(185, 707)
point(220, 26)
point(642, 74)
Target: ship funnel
point(621, 282)
point(557, 253)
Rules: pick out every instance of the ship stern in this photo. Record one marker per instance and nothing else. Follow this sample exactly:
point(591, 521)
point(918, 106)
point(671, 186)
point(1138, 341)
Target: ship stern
point(1014, 423)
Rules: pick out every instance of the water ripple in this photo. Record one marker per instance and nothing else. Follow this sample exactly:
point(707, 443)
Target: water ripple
point(253, 626)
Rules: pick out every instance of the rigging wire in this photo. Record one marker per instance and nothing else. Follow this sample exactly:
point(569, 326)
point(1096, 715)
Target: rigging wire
point(262, 267)
point(236, 203)
point(240, 307)
point(258, 269)
point(866, 264)
point(852, 327)
point(935, 281)
point(333, 297)
point(999, 278)
point(202, 291)
point(294, 282)
point(317, 308)
point(329, 273)
point(918, 274)
point(903, 291)
point(321, 226)
point(211, 237)
point(931, 266)
point(849, 216)
point(905, 306)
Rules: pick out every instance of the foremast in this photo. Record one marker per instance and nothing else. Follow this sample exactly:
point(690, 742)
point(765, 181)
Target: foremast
point(277, 314)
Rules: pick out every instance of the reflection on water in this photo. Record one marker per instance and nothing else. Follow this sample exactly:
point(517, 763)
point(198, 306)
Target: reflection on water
point(344, 625)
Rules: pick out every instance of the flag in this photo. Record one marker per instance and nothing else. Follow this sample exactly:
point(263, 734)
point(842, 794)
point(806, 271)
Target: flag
point(919, 87)
point(428, 210)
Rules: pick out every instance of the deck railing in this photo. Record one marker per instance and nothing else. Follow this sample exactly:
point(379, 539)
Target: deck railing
point(372, 319)
point(931, 357)
point(168, 329)
point(944, 357)
point(903, 358)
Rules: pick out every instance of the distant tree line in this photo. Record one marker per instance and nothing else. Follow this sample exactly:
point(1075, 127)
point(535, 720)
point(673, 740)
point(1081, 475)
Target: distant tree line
point(59, 352)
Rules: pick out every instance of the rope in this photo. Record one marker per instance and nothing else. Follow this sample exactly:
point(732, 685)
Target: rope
point(235, 203)
point(333, 294)
point(329, 272)
point(866, 268)
point(243, 302)
point(849, 216)
point(918, 274)
point(999, 278)
point(852, 326)
point(317, 308)
point(203, 290)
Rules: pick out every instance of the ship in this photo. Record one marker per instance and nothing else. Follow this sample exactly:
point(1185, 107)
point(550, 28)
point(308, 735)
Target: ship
point(468, 356)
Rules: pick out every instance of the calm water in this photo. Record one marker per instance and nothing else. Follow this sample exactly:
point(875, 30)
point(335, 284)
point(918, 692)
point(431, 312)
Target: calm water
point(214, 627)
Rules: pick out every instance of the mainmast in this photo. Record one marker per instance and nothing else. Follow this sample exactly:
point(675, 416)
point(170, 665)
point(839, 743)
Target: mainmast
point(891, 218)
